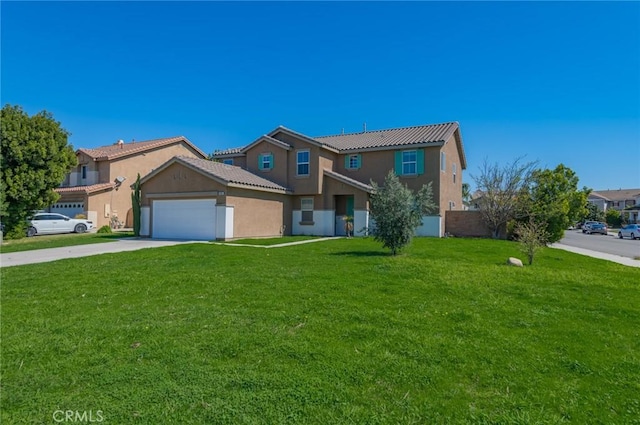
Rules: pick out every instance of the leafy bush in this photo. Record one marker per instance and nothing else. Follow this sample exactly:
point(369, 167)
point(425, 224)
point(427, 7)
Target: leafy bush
point(105, 229)
point(614, 218)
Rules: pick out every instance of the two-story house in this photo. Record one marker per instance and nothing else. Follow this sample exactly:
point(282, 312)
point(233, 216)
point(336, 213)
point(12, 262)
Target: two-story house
point(95, 187)
point(288, 183)
point(627, 201)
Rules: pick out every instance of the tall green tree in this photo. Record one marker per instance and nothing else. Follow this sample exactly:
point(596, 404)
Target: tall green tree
point(466, 194)
point(35, 156)
point(555, 200)
point(397, 211)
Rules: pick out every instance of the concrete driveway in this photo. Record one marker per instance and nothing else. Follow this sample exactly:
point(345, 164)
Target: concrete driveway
point(53, 254)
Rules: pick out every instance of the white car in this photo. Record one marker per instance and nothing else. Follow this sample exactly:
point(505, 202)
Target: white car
point(630, 231)
point(48, 223)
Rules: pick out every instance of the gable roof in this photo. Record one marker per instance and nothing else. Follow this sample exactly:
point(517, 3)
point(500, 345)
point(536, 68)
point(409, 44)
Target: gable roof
point(348, 180)
point(313, 141)
point(229, 152)
point(616, 195)
point(118, 150)
point(229, 175)
point(268, 139)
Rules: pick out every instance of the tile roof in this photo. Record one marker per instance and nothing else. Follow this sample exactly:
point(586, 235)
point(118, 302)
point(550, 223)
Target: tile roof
point(617, 195)
point(348, 180)
point(269, 139)
point(231, 151)
point(119, 150)
point(230, 174)
point(433, 133)
point(85, 189)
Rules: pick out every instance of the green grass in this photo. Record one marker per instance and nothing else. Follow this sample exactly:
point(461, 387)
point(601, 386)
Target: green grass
point(273, 241)
point(324, 333)
point(58, 241)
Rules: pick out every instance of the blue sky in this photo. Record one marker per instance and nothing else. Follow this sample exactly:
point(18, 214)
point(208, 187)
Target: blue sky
point(555, 82)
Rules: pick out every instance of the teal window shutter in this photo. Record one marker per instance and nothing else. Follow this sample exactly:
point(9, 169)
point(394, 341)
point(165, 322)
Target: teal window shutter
point(346, 162)
point(271, 161)
point(260, 162)
point(420, 160)
point(359, 161)
point(398, 163)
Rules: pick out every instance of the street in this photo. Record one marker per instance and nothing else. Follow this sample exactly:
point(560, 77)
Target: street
point(601, 243)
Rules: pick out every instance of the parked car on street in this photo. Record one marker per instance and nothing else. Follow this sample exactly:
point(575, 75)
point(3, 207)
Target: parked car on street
point(597, 228)
point(630, 231)
point(587, 225)
point(48, 223)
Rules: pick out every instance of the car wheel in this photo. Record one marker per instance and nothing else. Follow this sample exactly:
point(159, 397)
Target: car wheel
point(620, 235)
point(31, 231)
point(80, 228)
point(633, 236)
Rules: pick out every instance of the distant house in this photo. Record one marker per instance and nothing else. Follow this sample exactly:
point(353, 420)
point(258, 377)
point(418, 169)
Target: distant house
point(95, 187)
point(627, 201)
point(285, 182)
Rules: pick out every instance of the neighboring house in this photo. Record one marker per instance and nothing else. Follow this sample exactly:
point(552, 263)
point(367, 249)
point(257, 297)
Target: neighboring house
point(627, 201)
point(285, 182)
point(95, 187)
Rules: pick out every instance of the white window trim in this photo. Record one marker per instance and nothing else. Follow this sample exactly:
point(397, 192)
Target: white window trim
point(443, 162)
point(308, 208)
point(454, 170)
point(264, 156)
point(308, 162)
point(414, 162)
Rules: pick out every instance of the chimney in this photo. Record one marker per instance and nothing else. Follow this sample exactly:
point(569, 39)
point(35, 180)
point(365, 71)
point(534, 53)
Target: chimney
point(364, 127)
point(343, 130)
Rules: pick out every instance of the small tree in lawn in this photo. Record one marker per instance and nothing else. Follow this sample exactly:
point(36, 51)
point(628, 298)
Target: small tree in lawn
point(532, 236)
point(397, 212)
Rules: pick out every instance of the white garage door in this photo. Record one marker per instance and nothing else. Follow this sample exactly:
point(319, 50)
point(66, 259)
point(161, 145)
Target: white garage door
point(184, 219)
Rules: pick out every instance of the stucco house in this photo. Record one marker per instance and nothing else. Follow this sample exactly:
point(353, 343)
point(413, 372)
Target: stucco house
point(288, 183)
point(627, 201)
point(95, 187)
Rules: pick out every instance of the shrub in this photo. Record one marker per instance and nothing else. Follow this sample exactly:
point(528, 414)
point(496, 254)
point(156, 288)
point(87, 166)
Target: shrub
point(105, 229)
point(532, 236)
point(614, 218)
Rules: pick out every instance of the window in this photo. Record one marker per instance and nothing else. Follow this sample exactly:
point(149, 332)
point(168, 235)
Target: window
point(443, 162)
point(303, 164)
point(84, 171)
point(452, 205)
point(265, 161)
point(228, 161)
point(454, 169)
point(352, 162)
point(409, 162)
point(306, 206)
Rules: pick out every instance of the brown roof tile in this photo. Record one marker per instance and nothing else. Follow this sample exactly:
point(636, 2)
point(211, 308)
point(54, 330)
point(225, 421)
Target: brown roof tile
point(119, 150)
point(404, 136)
point(231, 174)
point(617, 195)
point(85, 189)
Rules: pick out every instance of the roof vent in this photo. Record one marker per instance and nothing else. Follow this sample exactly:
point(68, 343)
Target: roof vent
point(364, 127)
point(121, 143)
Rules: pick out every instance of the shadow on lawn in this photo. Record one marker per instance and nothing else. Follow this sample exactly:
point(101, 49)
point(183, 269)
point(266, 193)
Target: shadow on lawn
point(363, 253)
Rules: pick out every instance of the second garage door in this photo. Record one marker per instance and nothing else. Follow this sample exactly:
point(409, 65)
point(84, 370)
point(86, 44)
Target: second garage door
point(184, 219)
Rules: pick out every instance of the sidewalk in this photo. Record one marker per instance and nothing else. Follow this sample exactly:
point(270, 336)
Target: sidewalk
point(53, 254)
point(595, 254)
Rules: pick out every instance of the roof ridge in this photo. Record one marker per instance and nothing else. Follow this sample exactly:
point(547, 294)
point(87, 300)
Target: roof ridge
point(135, 142)
point(387, 129)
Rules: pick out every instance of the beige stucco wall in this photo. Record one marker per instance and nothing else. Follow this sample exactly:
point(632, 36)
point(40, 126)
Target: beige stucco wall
point(450, 191)
point(279, 173)
point(259, 214)
point(334, 187)
point(301, 184)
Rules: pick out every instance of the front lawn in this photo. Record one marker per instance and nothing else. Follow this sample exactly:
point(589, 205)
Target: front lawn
point(58, 241)
point(323, 333)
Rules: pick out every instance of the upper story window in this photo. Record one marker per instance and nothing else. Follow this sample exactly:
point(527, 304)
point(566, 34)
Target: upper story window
point(228, 161)
point(443, 162)
point(353, 162)
point(265, 161)
point(302, 163)
point(409, 163)
point(83, 170)
point(454, 170)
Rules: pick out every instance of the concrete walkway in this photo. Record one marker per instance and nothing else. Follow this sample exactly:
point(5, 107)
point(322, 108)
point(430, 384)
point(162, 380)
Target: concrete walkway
point(53, 254)
point(595, 254)
point(279, 245)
